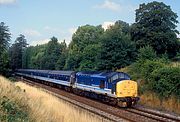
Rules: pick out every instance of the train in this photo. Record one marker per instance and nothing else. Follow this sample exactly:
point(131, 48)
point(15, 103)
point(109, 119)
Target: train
point(115, 88)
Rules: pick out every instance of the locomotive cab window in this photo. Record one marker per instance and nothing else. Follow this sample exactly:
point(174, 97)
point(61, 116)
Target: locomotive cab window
point(102, 84)
point(115, 77)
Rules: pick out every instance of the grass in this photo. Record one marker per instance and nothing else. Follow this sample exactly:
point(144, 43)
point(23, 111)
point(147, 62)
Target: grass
point(49, 108)
point(13, 105)
point(41, 106)
point(150, 99)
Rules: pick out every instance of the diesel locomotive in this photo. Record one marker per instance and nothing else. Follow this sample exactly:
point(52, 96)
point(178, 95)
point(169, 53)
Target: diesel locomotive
point(111, 87)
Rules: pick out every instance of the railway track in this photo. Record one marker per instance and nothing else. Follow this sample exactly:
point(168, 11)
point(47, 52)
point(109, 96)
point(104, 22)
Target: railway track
point(158, 113)
point(110, 112)
point(154, 115)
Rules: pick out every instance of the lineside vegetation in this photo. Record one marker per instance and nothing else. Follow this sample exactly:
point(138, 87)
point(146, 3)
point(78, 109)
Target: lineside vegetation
point(13, 102)
point(158, 80)
point(20, 102)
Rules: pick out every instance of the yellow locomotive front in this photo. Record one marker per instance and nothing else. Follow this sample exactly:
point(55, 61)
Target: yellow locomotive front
point(127, 93)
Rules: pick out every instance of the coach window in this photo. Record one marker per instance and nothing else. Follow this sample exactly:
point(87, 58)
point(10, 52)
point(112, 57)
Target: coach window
point(102, 84)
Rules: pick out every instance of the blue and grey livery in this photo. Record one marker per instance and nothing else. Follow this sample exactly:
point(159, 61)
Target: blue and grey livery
point(109, 86)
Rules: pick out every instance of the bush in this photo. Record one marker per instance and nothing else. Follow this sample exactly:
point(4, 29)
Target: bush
point(11, 112)
point(166, 81)
point(147, 62)
point(147, 53)
point(149, 66)
point(155, 74)
point(142, 69)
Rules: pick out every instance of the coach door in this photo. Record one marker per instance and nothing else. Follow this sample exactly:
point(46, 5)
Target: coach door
point(72, 78)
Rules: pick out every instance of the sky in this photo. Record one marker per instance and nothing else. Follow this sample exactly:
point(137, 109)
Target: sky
point(39, 20)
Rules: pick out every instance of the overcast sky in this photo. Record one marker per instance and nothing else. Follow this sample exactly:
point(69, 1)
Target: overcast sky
point(39, 20)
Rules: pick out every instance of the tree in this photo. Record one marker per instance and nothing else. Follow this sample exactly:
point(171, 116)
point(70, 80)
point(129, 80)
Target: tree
point(50, 56)
point(54, 56)
point(147, 53)
point(26, 59)
point(90, 57)
point(156, 26)
point(4, 44)
point(86, 35)
point(16, 52)
point(82, 38)
point(4, 37)
point(35, 56)
point(74, 58)
point(117, 49)
point(62, 59)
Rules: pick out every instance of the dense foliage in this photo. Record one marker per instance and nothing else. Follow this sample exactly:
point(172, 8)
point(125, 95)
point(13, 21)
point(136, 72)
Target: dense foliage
point(16, 52)
point(166, 81)
point(48, 56)
point(52, 54)
point(34, 56)
point(84, 48)
point(117, 49)
point(156, 74)
point(148, 45)
point(156, 26)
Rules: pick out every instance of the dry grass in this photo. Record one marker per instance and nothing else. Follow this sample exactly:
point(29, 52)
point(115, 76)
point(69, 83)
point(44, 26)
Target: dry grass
point(43, 107)
point(12, 92)
point(47, 108)
point(152, 100)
